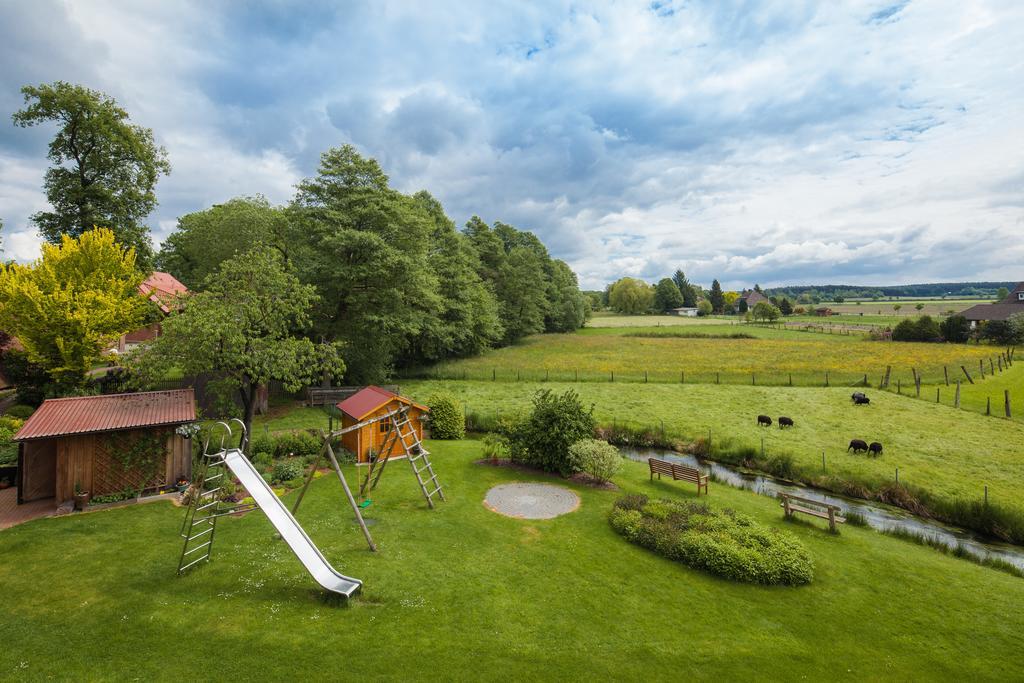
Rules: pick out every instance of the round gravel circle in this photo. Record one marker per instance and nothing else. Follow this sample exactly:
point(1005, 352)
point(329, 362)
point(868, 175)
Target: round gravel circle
point(531, 501)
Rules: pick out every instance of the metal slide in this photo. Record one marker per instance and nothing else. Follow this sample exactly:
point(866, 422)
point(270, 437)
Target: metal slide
point(309, 555)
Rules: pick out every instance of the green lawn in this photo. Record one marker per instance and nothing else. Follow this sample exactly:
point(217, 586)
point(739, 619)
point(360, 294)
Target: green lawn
point(950, 453)
point(806, 356)
point(463, 594)
point(975, 397)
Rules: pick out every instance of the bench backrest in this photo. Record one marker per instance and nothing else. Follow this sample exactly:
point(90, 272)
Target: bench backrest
point(659, 466)
point(809, 501)
point(686, 473)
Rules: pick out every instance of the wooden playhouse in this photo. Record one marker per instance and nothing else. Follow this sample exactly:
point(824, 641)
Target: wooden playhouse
point(369, 403)
point(104, 444)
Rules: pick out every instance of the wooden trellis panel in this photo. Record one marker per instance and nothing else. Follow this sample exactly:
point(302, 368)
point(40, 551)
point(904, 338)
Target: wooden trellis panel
point(110, 476)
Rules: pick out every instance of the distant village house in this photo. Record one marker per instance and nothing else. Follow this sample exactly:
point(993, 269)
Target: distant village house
point(1002, 310)
point(162, 289)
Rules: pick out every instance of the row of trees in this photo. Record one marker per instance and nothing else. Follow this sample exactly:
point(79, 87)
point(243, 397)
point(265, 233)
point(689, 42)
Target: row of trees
point(398, 285)
point(631, 296)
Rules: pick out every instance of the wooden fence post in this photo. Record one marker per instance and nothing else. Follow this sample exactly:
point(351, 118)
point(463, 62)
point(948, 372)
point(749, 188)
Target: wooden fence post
point(937, 394)
point(753, 379)
point(945, 373)
point(888, 374)
point(981, 367)
point(988, 405)
point(1006, 401)
point(791, 379)
point(826, 378)
point(967, 374)
point(645, 377)
point(899, 387)
point(956, 400)
point(991, 367)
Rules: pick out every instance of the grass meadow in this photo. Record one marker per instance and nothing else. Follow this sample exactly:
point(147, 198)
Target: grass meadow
point(461, 593)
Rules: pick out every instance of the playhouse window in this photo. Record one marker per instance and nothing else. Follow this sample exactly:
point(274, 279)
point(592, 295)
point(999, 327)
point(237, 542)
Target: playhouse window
point(383, 426)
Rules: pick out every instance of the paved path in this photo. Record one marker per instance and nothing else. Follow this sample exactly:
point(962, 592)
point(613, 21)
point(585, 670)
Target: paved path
point(11, 513)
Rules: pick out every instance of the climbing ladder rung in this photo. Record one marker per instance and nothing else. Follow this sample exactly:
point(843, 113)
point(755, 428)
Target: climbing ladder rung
point(216, 476)
point(210, 504)
point(422, 469)
point(198, 547)
point(201, 533)
point(210, 492)
point(197, 561)
point(437, 490)
point(427, 481)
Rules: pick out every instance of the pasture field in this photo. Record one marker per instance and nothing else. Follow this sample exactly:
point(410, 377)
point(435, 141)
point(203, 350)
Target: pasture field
point(951, 454)
point(609, 319)
point(719, 330)
point(974, 397)
point(804, 355)
point(461, 593)
point(932, 307)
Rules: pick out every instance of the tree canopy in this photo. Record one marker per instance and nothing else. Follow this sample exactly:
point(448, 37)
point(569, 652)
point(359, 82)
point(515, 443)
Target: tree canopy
point(244, 329)
point(717, 297)
point(105, 168)
point(688, 291)
point(667, 295)
point(631, 296)
point(71, 304)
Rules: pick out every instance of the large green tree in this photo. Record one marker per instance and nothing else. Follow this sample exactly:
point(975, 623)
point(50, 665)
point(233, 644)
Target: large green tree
point(368, 257)
point(245, 330)
point(667, 295)
point(631, 296)
point(717, 297)
point(105, 168)
point(685, 288)
point(68, 307)
point(205, 239)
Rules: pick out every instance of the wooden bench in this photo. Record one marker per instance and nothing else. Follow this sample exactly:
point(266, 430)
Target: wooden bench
point(815, 508)
point(678, 473)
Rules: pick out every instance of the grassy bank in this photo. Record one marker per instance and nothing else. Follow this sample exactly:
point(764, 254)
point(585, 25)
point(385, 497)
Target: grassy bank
point(945, 457)
point(463, 594)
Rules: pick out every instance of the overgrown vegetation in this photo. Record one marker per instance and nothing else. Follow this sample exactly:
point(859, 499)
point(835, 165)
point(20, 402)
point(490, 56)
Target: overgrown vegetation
point(543, 438)
point(726, 543)
point(447, 421)
point(597, 458)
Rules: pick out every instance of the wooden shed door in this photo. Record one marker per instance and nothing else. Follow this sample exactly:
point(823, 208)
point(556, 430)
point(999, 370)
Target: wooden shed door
point(39, 479)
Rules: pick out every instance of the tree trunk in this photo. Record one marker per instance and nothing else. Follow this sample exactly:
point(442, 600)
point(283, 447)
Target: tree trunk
point(249, 396)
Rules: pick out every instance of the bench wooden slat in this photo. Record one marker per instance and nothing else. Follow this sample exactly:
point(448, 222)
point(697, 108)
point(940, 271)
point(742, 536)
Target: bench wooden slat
point(678, 472)
point(831, 512)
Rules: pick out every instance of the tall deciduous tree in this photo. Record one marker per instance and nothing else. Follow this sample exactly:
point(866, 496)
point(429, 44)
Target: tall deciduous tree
point(717, 297)
point(631, 296)
point(242, 330)
point(205, 239)
point(69, 306)
point(105, 169)
point(667, 295)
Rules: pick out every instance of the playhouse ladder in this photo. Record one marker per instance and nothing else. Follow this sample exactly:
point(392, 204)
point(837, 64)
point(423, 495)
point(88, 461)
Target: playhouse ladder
point(403, 432)
point(203, 509)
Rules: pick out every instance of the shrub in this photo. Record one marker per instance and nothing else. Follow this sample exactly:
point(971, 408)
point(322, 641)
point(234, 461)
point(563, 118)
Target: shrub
point(495, 446)
point(924, 329)
point(262, 443)
point(20, 411)
point(597, 458)
point(956, 329)
point(285, 470)
point(555, 423)
point(704, 308)
point(724, 542)
point(446, 417)
point(11, 423)
point(297, 444)
point(1007, 332)
point(263, 461)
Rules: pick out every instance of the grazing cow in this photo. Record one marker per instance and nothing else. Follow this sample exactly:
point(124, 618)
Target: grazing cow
point(764, 420)
point(856, 445)
point(856, 395)
point(861, 401)
point(785, 422)
point(875, 448)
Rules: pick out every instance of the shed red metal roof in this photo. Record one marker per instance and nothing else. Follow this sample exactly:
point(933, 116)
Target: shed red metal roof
point(113, 412)
point(369, 399)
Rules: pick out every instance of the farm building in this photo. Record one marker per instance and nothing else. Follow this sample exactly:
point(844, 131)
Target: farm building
point(161, 289)
point(751, 298)
point(373, 402)
point(823, 312)
point(685, 311)
point(104, 444)
point(1011, 305)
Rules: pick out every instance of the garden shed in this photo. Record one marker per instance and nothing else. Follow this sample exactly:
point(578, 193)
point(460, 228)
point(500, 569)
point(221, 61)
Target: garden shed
point(370, 402)
point(105, 444)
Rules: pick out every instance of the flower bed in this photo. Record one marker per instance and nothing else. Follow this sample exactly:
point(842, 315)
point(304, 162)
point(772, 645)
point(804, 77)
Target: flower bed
point(723, 542)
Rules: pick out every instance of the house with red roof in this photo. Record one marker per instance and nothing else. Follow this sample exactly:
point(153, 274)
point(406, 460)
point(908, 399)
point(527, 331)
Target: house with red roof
point(104, 445)
point(371, 402)
point(163, 289)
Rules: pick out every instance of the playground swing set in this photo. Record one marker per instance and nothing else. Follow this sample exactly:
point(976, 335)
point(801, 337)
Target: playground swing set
point(207, 504)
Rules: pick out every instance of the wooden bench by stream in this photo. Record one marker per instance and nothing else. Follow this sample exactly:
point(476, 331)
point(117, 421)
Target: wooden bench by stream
point(815, 508)
point(678, 473)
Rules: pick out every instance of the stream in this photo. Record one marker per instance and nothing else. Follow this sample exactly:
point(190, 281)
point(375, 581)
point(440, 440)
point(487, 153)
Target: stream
point(877, 516)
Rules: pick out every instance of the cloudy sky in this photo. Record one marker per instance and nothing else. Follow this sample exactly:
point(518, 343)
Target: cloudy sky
point(776, 142)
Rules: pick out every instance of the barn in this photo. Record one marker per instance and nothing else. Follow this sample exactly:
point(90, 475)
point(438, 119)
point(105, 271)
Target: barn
point(370, 402)
point(104, 444)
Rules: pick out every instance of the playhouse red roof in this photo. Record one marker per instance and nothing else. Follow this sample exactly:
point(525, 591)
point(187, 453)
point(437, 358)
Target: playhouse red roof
point(113, 412)
point(370, 399)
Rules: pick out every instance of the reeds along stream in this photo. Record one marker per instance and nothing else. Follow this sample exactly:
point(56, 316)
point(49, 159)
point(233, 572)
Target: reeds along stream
point(880, 517)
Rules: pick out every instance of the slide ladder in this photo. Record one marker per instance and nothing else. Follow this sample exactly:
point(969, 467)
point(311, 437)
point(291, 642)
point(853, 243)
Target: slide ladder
point(401, 431)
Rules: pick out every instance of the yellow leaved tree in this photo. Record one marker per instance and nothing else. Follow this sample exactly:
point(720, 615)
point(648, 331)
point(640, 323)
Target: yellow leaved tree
point(71, 304)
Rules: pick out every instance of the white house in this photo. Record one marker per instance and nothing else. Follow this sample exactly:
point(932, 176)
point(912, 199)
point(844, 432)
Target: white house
point(685, 311)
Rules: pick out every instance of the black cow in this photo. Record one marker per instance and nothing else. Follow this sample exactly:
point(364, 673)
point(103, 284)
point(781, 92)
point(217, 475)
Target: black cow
point(764, 420)
point(875, 448)
point(785, 422)
point(856, 445)
point(857, 395)
point(861, 401)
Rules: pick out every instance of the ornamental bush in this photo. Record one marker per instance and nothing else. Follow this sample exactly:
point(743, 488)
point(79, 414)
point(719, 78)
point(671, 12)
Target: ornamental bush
point(597, 458)
point(556, 422)
point(286, 470)
point(20, 411)
point(725, 543)
point(447, 420)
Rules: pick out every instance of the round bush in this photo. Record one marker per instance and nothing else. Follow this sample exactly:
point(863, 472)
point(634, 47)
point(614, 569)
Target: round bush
point(20, 411)
point(285, 470)
point(597, 458)
point(446, 417)
point(724, 542)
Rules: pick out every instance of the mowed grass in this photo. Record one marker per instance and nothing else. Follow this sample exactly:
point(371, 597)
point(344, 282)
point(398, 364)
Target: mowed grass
point(908, 307)
point(950, 453)
point(981, 395)
point(805, 356)
point(461, 593)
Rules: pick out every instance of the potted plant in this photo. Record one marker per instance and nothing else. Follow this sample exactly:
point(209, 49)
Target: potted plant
point(5, 483)
point(181, 484)
point(81, 497)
